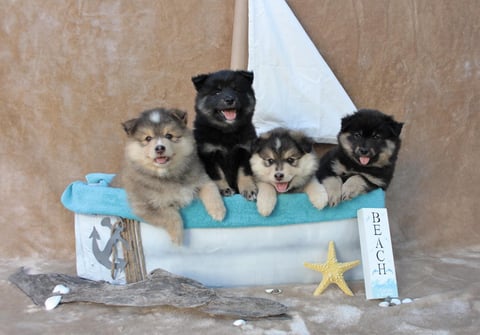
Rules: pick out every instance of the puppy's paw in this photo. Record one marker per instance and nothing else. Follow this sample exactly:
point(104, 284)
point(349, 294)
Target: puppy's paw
point(247, 187)
point(167, 218)
point(333, 187)
point(212, 200)
point(266, 199)
point(172, 222)
point(334, 199)
point(317, 194)
point(227, 192)
point(265, 205)
point(224, 188)
point(176, 236)
point(353, 187)
point(249, 194)
point(348, 194)
point(216, 210)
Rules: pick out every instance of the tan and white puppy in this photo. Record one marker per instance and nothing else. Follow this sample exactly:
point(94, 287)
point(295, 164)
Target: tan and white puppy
point(284, 161)
point(162, 171)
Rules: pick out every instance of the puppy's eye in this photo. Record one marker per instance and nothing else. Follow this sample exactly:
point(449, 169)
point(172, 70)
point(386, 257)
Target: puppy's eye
point(148, 138)
point(357, 134)
point(376, 136)
point(269, 161)
point(290, 160)
point(173, 138)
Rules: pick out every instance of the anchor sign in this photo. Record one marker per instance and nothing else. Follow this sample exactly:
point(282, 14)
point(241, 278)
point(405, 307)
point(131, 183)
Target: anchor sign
point(103, 256)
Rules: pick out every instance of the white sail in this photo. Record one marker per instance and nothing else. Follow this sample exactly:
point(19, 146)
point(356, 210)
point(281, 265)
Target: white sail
point(293, 84)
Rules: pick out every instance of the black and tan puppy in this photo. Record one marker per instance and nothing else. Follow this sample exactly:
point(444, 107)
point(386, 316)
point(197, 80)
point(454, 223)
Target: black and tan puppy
point(365, 157)
point(284, 161)
point(223, 129)
point(162, 171)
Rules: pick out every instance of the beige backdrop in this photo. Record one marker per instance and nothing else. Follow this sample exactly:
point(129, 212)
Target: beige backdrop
point(72, 71)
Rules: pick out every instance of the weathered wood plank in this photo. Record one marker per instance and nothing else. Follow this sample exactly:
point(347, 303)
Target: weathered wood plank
point(161, 288)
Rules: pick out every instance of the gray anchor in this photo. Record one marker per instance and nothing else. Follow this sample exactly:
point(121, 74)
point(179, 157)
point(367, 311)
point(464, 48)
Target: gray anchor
point(103, 256)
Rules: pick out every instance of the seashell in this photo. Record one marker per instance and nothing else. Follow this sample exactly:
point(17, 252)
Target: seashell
point(239, 323)
point(273, 291)
point(52, 302)
point(396, 301)
point(407, 301)
point(384, 304)
point(62, 289)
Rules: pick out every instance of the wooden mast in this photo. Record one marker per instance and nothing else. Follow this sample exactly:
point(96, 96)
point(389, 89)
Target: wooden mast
point(239, 56)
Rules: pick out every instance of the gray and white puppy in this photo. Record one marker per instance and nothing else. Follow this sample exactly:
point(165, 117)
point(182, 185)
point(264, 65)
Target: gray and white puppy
point(284, 161)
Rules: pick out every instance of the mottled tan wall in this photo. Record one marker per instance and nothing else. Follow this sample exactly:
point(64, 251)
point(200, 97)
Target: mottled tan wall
point(71, 71)
point(420, 61)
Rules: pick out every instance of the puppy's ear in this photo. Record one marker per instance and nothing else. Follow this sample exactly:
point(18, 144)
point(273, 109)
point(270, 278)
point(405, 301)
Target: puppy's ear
point(346, 123)
point(179, 114)
point(304, 142)
point(396, 127)
point(255, 145)
point(307, 144)
point(199, 80)
point(248, 75)
point(129, 126)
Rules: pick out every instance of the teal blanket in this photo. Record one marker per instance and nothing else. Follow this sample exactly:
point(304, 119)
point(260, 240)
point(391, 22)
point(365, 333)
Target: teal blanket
point(94, 196)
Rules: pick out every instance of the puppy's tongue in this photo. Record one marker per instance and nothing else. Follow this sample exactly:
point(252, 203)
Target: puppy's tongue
point(161, 160)
point(281, 187)
point(229, 114)
point(364, 160)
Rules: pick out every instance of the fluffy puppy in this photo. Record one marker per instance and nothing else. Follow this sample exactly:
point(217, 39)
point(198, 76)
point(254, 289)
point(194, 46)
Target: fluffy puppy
point(223, 129)
point(284, 161)
point(162, 171)
point(365, 157)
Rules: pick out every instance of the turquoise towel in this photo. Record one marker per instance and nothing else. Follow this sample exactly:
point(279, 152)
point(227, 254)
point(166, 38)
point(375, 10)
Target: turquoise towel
point(95, 197)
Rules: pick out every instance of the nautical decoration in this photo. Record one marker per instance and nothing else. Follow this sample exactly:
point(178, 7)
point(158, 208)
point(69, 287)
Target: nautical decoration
point(294, 86)
point(160, 288)
point(332, 271)
point(108, 256)
point(377, 253)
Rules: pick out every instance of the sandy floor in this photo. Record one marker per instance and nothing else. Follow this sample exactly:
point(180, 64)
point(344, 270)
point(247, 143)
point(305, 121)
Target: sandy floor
point(445, 289)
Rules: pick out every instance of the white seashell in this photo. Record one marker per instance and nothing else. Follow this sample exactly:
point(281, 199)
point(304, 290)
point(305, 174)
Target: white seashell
point(396, 301)
point(384, 304)
point(62, 289)
point(273, 291)
point(239, 323)
point(407, 301)
point(52, 302)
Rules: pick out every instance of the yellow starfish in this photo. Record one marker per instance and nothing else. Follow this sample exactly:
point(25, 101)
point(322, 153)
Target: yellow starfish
point(332, 271)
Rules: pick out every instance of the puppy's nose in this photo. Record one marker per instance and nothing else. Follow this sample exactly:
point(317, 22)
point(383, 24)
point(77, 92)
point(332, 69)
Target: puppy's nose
point(278, 176)
point(229, 100)
point(363, 151)
point(160, 149)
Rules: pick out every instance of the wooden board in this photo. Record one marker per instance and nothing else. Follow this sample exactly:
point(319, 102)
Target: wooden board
point(161, 288)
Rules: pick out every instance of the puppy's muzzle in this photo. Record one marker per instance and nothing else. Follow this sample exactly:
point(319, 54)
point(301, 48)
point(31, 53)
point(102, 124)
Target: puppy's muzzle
point(229, 101)
point(160, 149)
point(363, 151)
point(279, 176)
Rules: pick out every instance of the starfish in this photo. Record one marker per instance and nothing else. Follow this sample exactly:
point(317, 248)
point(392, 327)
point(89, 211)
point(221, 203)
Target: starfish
point(332, 271)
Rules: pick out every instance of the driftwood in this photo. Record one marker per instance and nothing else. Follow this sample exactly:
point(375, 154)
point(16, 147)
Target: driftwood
point(161, 288)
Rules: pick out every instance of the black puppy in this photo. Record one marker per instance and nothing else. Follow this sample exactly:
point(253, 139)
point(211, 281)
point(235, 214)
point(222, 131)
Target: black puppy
point(365, 157)
point(223, 129)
